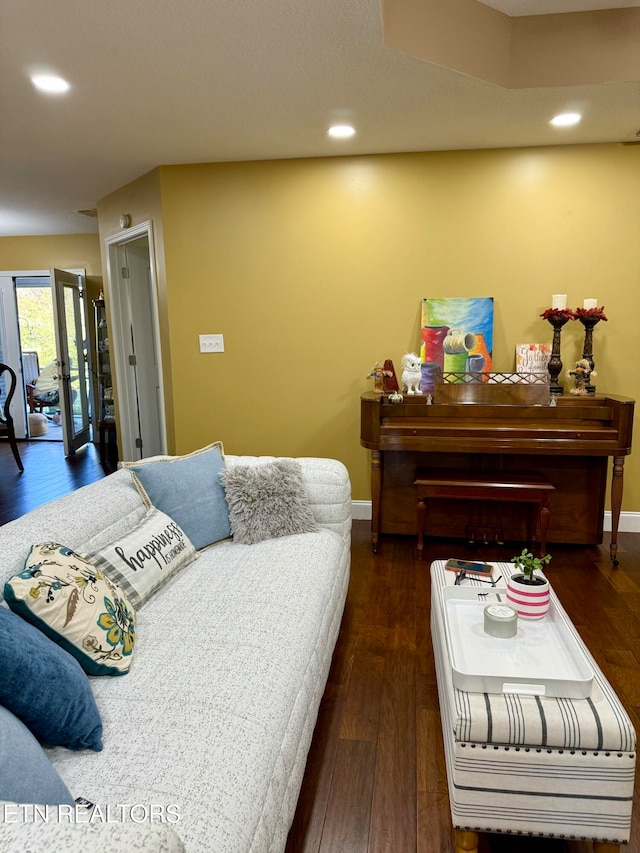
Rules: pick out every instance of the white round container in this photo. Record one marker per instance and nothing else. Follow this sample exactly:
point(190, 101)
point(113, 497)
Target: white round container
point(500, 620)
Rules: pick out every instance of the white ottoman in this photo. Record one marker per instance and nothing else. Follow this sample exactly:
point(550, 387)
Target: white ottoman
point(38, 424)
point(533, 765)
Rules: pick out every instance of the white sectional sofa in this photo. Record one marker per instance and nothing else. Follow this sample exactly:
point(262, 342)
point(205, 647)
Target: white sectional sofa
point(205, 738)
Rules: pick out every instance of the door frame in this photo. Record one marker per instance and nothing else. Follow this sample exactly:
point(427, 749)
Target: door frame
point(118, 310)
point(11, 336)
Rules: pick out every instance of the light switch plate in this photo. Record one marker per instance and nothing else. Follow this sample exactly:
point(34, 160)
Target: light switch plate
point(211, 343)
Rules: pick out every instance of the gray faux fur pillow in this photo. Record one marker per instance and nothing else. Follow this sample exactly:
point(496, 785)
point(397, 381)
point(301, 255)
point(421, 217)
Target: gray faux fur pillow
point(266, 501)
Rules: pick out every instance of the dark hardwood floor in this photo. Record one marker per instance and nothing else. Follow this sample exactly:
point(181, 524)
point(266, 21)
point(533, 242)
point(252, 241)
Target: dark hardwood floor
point(47, 475)
point(375, 780)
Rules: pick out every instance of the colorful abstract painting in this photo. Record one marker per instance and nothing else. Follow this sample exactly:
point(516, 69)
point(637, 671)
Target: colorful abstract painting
point(457, 334)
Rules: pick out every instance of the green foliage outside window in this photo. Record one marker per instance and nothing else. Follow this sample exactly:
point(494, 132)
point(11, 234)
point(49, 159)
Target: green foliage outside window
point(35, 316)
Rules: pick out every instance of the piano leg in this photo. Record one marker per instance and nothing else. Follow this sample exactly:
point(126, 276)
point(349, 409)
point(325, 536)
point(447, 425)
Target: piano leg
point(616, 504)
point(545, 517)
point(376, 490)
point(422, 512)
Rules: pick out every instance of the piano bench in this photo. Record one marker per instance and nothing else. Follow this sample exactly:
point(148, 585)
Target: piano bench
point(511, 486)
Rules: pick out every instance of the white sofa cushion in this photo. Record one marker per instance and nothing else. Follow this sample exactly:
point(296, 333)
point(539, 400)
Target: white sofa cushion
point(231, 663)
point(61, 837)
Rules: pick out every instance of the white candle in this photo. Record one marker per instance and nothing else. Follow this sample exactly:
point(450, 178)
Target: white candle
point(590, 303)
point(559, 300)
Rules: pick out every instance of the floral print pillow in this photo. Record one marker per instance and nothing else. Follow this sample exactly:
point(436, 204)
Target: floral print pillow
point(77, 606)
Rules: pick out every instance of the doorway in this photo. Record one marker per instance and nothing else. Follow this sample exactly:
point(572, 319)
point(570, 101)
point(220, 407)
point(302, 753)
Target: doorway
point(136, 342)
point(44, 337)
point(38, 351)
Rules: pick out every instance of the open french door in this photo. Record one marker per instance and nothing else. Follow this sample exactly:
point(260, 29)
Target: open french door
point(74, 358)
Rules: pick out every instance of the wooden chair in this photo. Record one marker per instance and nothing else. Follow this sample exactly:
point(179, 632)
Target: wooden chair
point(6, 420)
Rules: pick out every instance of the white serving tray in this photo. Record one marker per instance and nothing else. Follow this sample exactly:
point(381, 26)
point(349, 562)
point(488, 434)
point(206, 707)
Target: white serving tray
point(543, 659)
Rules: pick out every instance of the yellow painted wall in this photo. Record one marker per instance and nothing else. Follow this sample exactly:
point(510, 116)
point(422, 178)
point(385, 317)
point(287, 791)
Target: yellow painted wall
point(315, 269)
point(64, 251)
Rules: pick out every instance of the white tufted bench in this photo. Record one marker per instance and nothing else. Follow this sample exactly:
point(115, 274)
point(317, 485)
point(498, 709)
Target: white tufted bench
point(533, 765)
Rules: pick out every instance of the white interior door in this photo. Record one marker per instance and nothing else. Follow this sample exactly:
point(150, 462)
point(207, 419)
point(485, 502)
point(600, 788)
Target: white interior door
point(135, 343)
point(144, 355)
point(72, 343)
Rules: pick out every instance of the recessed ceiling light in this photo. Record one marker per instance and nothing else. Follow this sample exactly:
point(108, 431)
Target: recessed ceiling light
point(341, 131)
point(50, 83)
point(565, 119)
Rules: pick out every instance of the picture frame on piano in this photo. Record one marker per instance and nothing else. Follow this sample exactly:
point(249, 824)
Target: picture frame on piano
point(532, 358)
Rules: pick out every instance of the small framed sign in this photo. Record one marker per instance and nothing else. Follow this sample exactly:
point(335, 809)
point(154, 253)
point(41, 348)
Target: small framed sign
point(532, 358)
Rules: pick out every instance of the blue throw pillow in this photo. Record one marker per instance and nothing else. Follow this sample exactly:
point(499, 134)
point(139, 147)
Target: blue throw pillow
point(45, 687)
point(26, 774)
point(188, 489)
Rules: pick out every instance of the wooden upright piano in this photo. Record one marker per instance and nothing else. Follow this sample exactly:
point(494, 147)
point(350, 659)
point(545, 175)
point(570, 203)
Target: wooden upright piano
point(568, 441)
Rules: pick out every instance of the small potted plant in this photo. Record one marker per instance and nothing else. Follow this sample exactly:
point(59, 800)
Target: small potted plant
point(527, 592)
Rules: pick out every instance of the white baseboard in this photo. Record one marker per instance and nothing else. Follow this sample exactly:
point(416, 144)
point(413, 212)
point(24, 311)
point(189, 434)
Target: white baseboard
point(629, 521)
point(361, 510)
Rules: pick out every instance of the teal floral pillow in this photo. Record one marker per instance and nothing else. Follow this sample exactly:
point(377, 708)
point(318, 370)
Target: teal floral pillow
point(77, 606)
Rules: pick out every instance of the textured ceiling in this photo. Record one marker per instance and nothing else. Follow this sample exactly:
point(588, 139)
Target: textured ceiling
point(157, 82)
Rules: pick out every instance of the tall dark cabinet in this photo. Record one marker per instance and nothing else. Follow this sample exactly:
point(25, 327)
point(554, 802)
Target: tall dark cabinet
point(105, 415)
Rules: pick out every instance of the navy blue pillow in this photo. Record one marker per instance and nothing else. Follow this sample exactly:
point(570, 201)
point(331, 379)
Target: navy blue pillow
point(26, 774)
point(45, 687)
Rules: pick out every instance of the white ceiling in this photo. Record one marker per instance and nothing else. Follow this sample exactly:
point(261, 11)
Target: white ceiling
point(158, 82)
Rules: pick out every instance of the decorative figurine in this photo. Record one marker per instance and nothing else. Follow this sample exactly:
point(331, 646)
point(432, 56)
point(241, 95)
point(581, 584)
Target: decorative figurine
point(396, 397)
point(581, 376)
point(411, 373)
point(379, 374)
point(389, 380)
